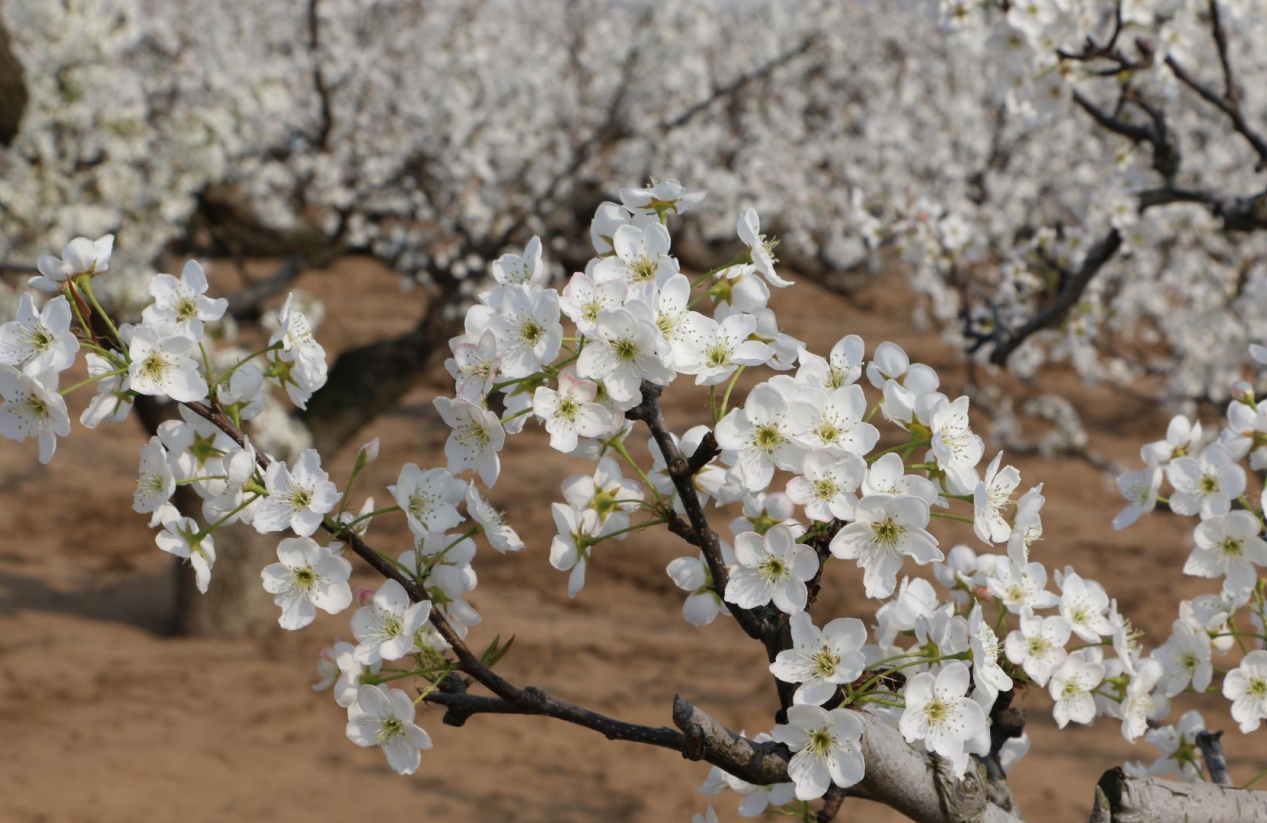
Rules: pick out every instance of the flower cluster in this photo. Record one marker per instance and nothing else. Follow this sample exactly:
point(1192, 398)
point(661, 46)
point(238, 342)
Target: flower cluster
point(796, 453)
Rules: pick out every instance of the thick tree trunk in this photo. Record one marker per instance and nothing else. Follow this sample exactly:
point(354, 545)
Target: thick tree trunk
point(13, 94)
point(235, 604)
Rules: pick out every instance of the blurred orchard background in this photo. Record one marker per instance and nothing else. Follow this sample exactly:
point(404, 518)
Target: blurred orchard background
point(1059, 205)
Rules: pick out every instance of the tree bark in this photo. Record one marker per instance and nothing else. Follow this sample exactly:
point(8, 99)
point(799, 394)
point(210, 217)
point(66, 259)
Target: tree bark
point(13, 94)
point(1124, 799)
point(235, 604)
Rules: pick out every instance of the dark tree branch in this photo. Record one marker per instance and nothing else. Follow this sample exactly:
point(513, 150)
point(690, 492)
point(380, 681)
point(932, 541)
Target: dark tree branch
point(1231, 91)
point(738, 84)
point(1051, 313)
point(325, 123)
point(1212, 751)
point(832, 801)
point(1229, 107)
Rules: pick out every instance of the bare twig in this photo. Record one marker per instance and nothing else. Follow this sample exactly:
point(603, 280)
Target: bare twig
point(1212, 752)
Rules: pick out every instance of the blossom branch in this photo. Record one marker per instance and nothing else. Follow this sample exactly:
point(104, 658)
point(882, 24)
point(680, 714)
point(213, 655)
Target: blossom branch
point(1051, 313)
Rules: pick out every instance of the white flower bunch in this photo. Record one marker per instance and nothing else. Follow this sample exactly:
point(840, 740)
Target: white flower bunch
point(793, 452)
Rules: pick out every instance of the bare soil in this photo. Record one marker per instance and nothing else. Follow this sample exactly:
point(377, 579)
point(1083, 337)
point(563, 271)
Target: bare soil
point(106, 717)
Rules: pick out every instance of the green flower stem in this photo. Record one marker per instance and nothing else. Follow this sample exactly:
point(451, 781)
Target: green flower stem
point(619, 448)
point(593, 541)
point(725, 400)
point(911, 445)
point(951, 517)
point(347, 527)
point(86, 284)
point(200, 479)
point(209, 529)
point(519, 413)
point(90, 380)
point(225, 377)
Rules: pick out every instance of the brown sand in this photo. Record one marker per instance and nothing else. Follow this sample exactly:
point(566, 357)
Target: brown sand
point(104, 717)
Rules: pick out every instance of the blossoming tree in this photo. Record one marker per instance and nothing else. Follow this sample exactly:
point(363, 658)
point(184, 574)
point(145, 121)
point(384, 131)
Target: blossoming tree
point(914, 711)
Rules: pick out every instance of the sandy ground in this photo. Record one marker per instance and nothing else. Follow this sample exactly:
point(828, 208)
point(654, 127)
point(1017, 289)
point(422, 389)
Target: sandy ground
point(105, 717)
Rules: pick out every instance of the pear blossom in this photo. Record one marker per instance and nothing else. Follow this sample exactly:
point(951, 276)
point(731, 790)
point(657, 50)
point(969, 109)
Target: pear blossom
point(762, 511)
point(887, 529)
point(298, 498)
point(1140, 490)
point(1185, 660)
point(307, 577)
point(887, 475)
point(81, 256)
point(1182, 438)
point(386, 627)
point(32, 408)
point(625, 350)
point(475, 438)
point(1178, 747)
point(570, 413)
point(826, 485)
point(386, 719)
point(1038, 646)
point(938, 714)
point(713, 351)
point(1071, 686)
point(301, 354)
point(826, 746)
point(1022, 588)
point(821, 660)
point(524, 269)
point(987, 674)
point(39, 341)
point(183, 304)
point(181, 537)
point(842, 366)
point(989, 499)
point(428, 498)
point(113, 401)
point(761, 436)
point(915, 599)
point(1082, 604)
point(526, 325)
point(1246, 687)
point(341, 672)
point(760, 250)
point(606, 492)
point(582, 300)
point(1206, 484)
point(473, 364)
point(1027, 525)
point(771, 567)
point(660, 197)
point(164, 365)
point(741, 288)
point(155, 482)
point(957, 449)
point(500, 536)
point(641, 259)
point(836, 421)
point(691, 574)
point(1228, 545)
point(197, 449)
point(570, 549)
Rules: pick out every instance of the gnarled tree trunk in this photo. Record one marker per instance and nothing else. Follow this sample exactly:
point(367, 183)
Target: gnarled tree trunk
point(13, 95)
